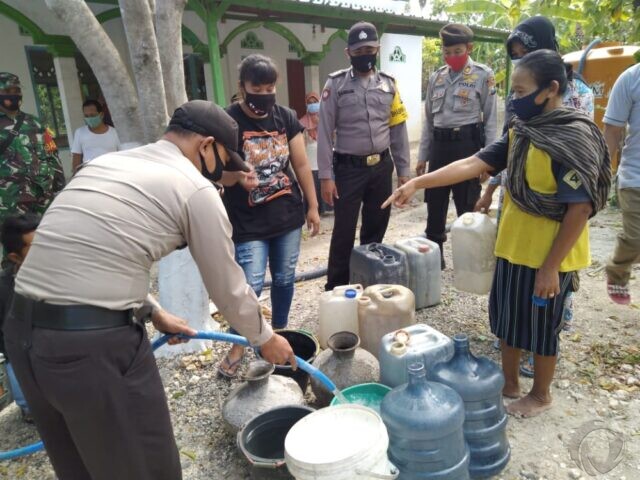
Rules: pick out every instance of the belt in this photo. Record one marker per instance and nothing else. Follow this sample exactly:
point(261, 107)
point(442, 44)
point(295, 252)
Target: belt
point(70, 317)
point(457, 133)
point(361, 160)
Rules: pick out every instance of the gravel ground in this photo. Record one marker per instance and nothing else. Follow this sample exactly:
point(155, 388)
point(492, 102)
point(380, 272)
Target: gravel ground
point(597, 379)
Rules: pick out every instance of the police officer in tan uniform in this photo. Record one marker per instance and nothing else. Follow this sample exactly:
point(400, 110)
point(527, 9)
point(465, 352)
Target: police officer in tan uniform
point(460, 119)
point(362, 106)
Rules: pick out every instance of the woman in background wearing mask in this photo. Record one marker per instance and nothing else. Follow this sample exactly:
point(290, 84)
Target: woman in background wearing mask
point(267, 219)
point(537, 33)
point(310, 123)
point(559, 175)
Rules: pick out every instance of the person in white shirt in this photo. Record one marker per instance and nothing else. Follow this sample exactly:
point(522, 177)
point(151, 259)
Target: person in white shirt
point(95, 139)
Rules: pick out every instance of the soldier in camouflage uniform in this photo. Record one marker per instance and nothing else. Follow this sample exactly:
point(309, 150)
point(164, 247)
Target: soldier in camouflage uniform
point(30, 170)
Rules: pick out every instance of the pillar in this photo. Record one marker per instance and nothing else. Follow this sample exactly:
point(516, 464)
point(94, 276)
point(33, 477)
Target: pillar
point(215, 61)
point(312, 78)
point(70, 93)
point(208, 82)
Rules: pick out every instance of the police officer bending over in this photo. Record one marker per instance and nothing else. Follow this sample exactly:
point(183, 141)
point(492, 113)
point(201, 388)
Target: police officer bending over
point(362, 105)
point(78, 349)
point(460, 119)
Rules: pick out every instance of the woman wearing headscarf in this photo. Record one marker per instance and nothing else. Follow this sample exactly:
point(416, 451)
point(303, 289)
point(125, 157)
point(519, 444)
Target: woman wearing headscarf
point(310, 123)
point(537, 33)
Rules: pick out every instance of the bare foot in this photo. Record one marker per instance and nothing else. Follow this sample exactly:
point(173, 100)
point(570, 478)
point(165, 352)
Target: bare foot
point(511, 391)
point(529, 406)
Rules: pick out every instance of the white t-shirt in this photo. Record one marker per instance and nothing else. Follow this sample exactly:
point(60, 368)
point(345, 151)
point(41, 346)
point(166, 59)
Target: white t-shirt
point(92, 145)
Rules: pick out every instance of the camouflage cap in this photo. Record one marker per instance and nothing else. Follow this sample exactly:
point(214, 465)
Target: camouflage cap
point(8, 80)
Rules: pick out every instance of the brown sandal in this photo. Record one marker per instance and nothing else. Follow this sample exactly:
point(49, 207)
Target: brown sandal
point(229, 369)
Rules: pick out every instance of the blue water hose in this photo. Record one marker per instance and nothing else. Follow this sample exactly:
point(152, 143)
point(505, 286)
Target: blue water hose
point(219, 336)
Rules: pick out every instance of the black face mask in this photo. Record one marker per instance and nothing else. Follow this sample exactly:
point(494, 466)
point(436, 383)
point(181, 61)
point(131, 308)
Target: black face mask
point(364, 63)
point(260, 104)
point(11, 102)
point(216, 175)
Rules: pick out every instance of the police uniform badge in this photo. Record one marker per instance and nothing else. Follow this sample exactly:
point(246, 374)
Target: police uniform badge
point(467, 70)
point(325, 93)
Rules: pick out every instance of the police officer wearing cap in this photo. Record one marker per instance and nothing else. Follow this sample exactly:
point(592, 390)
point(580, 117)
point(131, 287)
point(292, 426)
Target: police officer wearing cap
point(75, 332)
point(362, 106)
point(460, 119)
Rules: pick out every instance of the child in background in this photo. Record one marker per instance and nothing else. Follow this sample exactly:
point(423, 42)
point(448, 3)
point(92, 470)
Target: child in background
point(558, 171)
point(16, 236)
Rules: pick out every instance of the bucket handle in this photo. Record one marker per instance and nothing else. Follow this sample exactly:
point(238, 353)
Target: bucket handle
point(383, 476)
point(252, 460)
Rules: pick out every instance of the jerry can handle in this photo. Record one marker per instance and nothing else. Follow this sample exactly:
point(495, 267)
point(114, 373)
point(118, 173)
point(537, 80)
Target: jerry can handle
point(402, 336)
point(383, 476)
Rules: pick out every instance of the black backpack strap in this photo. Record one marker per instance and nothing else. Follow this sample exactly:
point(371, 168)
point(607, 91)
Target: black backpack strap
point(13, 133)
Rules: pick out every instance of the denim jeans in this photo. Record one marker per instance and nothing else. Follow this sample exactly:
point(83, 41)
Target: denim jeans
point(16, 391)
point(282, 255)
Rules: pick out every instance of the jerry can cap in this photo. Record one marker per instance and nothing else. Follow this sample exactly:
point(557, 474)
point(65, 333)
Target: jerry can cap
point(350, 293)
point(467, 219)
point(424, 248)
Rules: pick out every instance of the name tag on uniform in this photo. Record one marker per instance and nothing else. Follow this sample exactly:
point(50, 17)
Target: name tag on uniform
point(345, 92)
point(438, 94)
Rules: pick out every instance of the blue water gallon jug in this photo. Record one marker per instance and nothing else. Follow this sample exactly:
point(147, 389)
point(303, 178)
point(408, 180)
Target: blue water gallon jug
point(376, 263)
point(479, 381)
point(424, 421)
point(415, 343)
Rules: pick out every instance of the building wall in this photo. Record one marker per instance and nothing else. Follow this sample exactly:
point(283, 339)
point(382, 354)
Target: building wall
point(334, 60)
point(408, 75)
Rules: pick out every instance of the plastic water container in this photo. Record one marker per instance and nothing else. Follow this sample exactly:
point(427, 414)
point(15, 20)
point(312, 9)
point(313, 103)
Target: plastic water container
point(415, 343)
point(345, 442)
point(383, 309)
point(376, 263)
point(473, 241)
point(338, 312)
point(424, 421)
point(423, 259)
point(479, 382)
point(261, 441)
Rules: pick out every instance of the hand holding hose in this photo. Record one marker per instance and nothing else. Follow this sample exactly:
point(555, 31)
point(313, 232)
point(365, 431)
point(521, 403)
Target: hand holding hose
point(278, 351)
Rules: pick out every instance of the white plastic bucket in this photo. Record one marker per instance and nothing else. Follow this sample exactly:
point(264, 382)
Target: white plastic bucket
point(344, 442)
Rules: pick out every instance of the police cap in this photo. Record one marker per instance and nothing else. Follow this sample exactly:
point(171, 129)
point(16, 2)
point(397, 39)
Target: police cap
point(362, 34)
point(9, 80)
point(208, 119)
point(455, 33)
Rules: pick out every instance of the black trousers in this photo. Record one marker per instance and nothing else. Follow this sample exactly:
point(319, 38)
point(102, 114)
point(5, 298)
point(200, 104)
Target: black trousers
point(357, 185)
point(97, 400)
point(465, 194)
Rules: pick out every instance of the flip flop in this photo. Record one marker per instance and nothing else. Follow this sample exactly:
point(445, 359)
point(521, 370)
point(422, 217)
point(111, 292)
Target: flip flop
point(619, 293)
point(229, 369)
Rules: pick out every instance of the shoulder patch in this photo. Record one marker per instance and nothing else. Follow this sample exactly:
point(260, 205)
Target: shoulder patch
point(484, 67)
point(326, 93)
point(388, 75)
point(339, 73)
point(571, 178)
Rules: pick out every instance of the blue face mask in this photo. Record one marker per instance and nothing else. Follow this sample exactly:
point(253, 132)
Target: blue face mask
point(313, 107)
point(526, 108)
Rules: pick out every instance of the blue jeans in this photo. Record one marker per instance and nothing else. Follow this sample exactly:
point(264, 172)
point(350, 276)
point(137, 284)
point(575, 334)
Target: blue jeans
point(16, 391)
point(282, 253)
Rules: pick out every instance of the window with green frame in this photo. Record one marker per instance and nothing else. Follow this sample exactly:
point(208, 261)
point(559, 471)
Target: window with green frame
point(45, 85)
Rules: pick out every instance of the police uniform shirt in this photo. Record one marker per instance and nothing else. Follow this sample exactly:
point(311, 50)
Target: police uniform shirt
point(121, 213)
point(361, 115)
point(457, 99)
